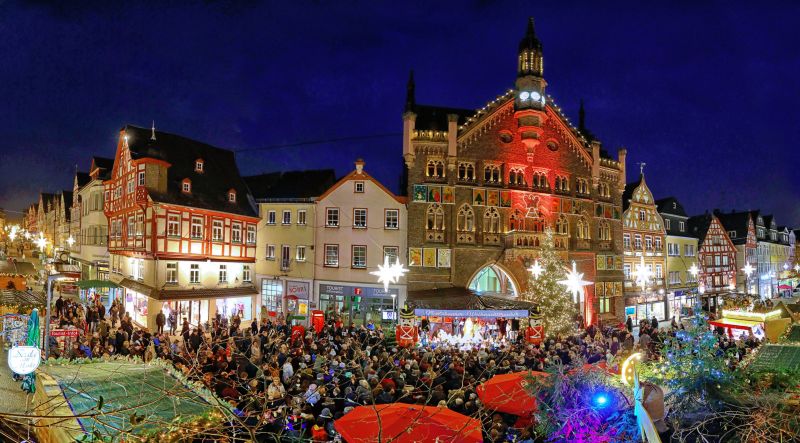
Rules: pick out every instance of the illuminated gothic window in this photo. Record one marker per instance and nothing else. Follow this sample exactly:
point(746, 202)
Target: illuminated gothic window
point(562, 225)
point(491, 174)
point(466, 171)
point(466, 219)
point(604, 231)
point(491, 221)
point(435, 216)
point(516, 222)
point(516, 177)
point(435, 169)
point(540, 180)
point(583, 229)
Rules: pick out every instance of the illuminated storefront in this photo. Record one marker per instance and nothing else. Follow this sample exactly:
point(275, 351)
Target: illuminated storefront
point(358, 304)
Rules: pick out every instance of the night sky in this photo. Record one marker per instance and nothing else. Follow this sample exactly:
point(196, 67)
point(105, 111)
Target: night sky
point(707, 95)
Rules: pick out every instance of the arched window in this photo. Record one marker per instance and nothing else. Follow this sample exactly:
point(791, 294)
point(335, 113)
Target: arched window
point(558, 183)
point(466, 219)
point(583, 229)
point(435, 217)
point(435, 169)
point(535, 224)
point(604, 231)
point(491, 221)
point(512, 177)
point(562, 225)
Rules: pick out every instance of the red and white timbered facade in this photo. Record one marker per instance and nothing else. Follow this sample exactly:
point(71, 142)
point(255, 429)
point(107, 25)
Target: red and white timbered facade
point(717, 258)
point(169, 247)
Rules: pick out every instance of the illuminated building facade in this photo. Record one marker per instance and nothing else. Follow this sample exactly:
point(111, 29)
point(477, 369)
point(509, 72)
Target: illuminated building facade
point(484, 186)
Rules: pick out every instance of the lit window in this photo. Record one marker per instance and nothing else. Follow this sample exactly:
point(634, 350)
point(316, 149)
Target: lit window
point(232, 196)
point(332, 255)
point(251, 235)
point(236, 233)
point(246, 274)
point(359, 218)
point(199, 165)
point(491, 221)
point(391, 253)
point(174, 225)
point(466, 219)
point(197, 227)
point(435, 215)
point(187, 186)
point(359, 256)
point(217, 231)
point(141, 178)
point(435, 169)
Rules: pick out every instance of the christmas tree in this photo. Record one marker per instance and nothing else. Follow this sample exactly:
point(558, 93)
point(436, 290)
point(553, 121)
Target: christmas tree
point(556, 304)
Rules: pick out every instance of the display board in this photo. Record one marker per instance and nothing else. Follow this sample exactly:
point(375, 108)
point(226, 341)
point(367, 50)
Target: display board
point(776, 358)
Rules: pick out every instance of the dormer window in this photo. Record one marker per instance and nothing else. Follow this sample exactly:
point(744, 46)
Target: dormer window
point(232, 196)
point(186, 185)
point(198, 166)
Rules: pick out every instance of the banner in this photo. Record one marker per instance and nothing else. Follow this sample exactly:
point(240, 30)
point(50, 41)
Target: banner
point(484, 313)
point(15, 329)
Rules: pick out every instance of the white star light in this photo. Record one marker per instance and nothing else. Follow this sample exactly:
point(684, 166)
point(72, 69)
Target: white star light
point(41, 242)
point(643, 274)
point(748, 269)
point(574, 282)
point(536, 269)
point(389, 273)
point(797, 267)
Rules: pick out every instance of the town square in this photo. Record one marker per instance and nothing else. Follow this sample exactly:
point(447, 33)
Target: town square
point(394, 222)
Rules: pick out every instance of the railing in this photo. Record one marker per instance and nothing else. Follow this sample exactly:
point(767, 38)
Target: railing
point(465, 237)
point(434, 236)
point(522, 239)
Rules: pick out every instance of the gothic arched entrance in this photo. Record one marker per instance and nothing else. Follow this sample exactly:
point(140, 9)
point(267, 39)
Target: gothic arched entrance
point(492, 279)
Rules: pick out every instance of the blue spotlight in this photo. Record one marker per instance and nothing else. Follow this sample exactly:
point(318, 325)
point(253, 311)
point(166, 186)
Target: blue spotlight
point(600, 400)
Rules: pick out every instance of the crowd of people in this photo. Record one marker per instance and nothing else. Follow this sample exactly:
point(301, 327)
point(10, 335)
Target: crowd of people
point(290, 386)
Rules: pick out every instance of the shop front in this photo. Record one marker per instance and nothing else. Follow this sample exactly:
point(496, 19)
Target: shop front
point(645, 308)
point(297, 302)
point(359, 304)
point(681, 303)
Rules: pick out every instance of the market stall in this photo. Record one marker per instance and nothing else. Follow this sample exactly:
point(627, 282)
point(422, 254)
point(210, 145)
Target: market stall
point(736, 323)
point(104, 290)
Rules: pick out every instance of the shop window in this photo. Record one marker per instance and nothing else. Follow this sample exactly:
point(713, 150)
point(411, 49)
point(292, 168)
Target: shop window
point(235, 306)
point(271, 294)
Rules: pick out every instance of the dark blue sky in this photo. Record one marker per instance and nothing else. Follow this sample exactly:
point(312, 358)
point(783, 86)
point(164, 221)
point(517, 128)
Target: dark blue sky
point(706, 93)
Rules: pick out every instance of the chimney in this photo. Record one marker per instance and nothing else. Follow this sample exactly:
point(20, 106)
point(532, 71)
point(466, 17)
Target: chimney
point(359, 166)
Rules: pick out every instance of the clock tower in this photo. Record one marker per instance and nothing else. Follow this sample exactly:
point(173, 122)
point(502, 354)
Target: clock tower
point(529, 100)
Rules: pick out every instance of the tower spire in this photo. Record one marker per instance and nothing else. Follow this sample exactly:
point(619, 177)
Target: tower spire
point(153, 133)
point(410, 99)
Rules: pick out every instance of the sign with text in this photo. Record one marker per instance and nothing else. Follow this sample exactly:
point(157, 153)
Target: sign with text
point(23, 360)
point(360, 291)
point(297, 288)
point(64, 332)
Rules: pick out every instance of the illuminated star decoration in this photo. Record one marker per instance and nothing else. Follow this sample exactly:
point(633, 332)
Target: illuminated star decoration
point(797, 267)
point(643, 274)
point(748, 269)
point(574, 282)
point(70, 241)
point(41, 242)
point(13, 233)
point(536, 269)
point(389, 273)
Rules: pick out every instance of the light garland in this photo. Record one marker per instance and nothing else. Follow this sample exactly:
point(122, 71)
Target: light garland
point(760, 316)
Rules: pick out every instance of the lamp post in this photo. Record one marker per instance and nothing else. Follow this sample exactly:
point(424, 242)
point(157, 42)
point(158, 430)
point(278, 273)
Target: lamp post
point(49, 286)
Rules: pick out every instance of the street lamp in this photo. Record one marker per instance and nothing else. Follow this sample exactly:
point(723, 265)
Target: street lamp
point(48, 285)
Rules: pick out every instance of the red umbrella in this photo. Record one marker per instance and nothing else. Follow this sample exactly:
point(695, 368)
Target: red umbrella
point(403, 423)
point(508, 393)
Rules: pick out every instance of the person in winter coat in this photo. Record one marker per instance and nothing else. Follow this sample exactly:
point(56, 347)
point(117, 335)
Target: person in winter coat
point(161, 320)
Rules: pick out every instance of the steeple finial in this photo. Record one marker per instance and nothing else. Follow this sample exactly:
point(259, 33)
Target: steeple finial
point(531, 31)
point(581, 117)
point(410, 99)
point(153, 133)
point(641, 168)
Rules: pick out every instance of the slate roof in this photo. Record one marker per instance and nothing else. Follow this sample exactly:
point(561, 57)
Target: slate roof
point(291, 184)
point(209, 188)
point(697, 226)
point(671, 206)
point(83, 178)
point(672, 210)
point(434, 118)
point(105, 165)
point(735, 221)
point(628, 193)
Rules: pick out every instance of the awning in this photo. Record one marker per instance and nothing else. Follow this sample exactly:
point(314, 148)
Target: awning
point(95, 284)
point(200, 293)
point(67, 270)
point(141, 288)
point(732, 323)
